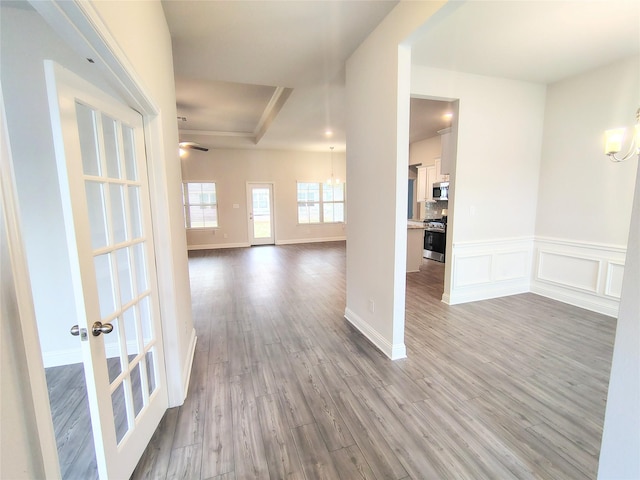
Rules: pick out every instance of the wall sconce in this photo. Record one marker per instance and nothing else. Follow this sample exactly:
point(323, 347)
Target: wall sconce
point(615, 137)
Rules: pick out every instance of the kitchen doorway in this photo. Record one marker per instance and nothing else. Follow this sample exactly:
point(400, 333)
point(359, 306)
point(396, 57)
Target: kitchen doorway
point(433, 129)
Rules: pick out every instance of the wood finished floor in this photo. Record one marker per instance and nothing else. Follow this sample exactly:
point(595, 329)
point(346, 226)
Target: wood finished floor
point(283, 387)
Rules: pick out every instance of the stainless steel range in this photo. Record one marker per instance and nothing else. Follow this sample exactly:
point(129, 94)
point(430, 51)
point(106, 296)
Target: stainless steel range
point(435, 235)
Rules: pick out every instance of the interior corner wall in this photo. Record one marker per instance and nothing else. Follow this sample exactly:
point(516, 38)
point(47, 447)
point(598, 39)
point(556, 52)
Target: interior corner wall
point(377, 86)
point(584, 200)
point(141, 32)
point(493, 195)
point(231, 169)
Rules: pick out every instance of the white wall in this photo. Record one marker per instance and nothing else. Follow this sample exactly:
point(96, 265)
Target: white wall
point(377, 87)
point(493, 198)
point(619, 454)
point(584, 200)
point(425, 152)
point(232, 169)
point(582, 196)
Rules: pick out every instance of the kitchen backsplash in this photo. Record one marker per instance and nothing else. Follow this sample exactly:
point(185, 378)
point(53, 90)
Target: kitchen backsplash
point(434, 209)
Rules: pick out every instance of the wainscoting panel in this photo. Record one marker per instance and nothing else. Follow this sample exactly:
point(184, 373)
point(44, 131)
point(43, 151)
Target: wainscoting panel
point(569, 270)
point(583, 274)
point(490, 269)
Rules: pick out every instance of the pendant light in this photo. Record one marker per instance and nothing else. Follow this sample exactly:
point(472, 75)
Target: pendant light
point(332, 180)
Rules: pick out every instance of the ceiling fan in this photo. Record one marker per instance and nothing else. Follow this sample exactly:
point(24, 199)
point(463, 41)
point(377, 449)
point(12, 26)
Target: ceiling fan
point(192, 146)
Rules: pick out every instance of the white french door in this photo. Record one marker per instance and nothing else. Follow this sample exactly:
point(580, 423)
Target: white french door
point(101, 161)
point(260, 206)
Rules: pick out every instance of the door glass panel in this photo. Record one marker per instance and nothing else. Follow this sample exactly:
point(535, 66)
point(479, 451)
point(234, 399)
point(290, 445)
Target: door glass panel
point(88, 140)
point(134, 211)
point(124, 276)
point(104, 279)
point(112, 157)
point(97, 214)
point(145, 321)
point(112, 350)
point(129, 153)
point(131, 334)
point(140, 268)
point(136, 389)
point(261, 213)
point(151, 371)
point(118, 219)
point(119, 412)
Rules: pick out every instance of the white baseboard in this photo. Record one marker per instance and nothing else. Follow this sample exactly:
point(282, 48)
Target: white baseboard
point(393, 351)
point(71, 356)
point(595, 304)
point(486, 292)
point(214, 246)
point(58, 358)
point(311, 240)
point(188, 366)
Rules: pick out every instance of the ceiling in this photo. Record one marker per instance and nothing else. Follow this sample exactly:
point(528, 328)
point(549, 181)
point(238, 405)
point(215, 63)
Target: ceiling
point(270, 74)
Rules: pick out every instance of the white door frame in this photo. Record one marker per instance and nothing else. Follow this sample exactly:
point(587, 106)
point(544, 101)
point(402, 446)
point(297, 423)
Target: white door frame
point(80, 25)
point(250, 237)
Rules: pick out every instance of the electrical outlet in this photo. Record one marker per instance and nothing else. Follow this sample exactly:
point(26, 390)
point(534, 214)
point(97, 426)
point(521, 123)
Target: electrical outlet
point(372, 306)
point(226, 236)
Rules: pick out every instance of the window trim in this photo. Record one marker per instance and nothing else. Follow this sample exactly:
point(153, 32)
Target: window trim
point(186, 205)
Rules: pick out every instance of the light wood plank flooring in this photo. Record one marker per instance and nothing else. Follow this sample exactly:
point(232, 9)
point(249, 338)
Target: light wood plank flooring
point(283, 387)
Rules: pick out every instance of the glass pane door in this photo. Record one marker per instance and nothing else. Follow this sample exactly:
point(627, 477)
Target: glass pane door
point(260, 201)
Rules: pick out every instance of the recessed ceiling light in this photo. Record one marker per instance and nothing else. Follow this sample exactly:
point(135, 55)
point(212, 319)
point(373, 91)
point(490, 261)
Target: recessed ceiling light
point(447, 116)
point(328, 133)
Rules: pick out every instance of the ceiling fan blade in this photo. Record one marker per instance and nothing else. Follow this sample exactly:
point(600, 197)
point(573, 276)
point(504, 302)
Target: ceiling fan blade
point(193, 146)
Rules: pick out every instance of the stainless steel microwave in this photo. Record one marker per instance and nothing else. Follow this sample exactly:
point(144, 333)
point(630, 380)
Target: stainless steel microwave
point(441, 191)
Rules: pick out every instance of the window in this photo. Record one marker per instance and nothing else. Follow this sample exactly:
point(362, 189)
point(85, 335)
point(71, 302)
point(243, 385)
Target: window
point(320, 203)
point(200, 205)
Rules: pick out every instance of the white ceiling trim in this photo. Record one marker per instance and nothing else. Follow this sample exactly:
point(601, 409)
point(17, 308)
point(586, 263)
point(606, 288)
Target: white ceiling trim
point(272, 109)
point(211, 133)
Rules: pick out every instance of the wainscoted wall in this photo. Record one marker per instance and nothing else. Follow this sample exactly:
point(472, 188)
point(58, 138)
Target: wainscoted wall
point(584, 274)
point(490, 269)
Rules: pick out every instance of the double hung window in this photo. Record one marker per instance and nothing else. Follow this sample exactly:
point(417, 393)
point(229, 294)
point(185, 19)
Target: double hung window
point(320, 202)
point(200, 205)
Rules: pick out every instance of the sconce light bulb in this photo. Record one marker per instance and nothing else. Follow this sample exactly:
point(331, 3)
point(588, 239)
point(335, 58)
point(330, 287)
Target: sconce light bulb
point(613, 140)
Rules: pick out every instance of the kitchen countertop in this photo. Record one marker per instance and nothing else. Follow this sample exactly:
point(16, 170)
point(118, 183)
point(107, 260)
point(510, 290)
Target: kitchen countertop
point(415, 224)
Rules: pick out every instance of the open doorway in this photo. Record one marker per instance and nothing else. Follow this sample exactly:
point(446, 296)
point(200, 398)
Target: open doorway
point(432, 151)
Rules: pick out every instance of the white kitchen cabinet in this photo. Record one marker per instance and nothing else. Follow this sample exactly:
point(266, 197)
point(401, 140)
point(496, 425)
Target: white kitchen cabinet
point(421, 191)
point(432, 177)
point(439, 177)
point(447, 151)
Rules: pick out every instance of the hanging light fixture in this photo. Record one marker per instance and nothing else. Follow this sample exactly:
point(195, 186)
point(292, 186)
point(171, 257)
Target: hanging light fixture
point(615, 137)
point(332, 180)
